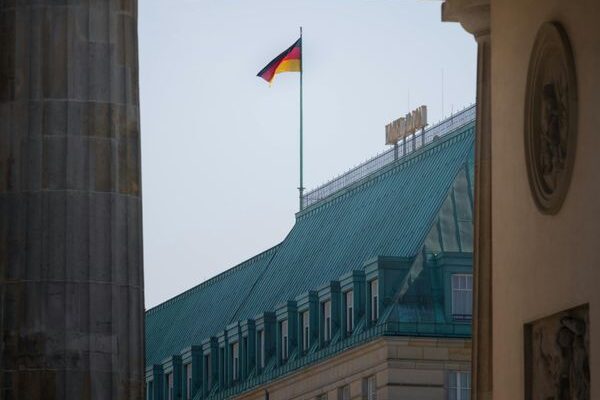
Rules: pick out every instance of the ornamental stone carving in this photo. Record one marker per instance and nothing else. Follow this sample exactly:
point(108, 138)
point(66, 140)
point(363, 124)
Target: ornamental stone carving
point(557, 362)
point(550, 117)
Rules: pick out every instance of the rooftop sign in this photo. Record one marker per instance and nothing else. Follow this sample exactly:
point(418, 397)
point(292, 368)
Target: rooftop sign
point(406, 126)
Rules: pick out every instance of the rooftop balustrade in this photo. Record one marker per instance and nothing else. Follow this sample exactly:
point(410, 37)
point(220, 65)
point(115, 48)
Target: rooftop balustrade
point(402, 149)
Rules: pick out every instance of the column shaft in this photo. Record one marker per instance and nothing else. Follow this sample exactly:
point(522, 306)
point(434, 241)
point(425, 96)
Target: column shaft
point(71, 262)
point(482, 263)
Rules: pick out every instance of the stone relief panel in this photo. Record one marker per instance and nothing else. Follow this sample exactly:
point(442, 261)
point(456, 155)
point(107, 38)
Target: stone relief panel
point(550, 117)
point(557, 357)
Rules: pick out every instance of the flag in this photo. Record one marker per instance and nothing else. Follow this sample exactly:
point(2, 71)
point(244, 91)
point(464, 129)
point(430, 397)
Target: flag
point(288, 61)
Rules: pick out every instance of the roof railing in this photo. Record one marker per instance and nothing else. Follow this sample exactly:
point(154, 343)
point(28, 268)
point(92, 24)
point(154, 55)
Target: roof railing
point(405, 147)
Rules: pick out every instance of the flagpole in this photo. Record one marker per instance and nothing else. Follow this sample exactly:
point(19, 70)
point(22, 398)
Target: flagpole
point(301, 188)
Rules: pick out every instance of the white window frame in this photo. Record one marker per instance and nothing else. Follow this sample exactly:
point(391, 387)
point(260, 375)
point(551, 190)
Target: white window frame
point(187, 368)
point(284, 340)
point(461, 287)
point(349, 296)
point(370, 388)
point(344, 392)
point(260, 348)
point(150, 390)
point(305, 330)
point(170, 388)
point(208, 368)
point(235, 358)
point(243, 355)
point(222, 364)
point(456, 386)
point(374, 289)
point(327, 320)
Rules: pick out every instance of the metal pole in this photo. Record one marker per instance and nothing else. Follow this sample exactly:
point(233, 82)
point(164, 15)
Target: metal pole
point(301, 188)
point(442, 93)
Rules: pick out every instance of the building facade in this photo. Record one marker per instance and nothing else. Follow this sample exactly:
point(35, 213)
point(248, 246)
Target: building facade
point(536, 272)
point(369, 295)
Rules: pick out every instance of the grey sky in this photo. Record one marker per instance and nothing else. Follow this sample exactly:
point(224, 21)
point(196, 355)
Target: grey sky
point(220, 148)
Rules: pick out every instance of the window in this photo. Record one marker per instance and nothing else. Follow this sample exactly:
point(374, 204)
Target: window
point(187, 370)
point(344, 393)
point(150, 391)
point(462, 296)
point(208, 372)
point(305, 331)
point(459, 385)
point(235, 358)
point(327, 321)
point(374, 288)
point(322, 396)
point(370, 388)
point(284, 340)
point(222, 360)
point(260, 349)
point(244, 357)
point(349, 311)
point(169, 379)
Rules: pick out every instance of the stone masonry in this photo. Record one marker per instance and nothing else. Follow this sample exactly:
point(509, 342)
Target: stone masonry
point(71, 265)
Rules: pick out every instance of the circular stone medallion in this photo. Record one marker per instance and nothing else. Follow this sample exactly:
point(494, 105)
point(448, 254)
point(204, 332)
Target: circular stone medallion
point(550, 117)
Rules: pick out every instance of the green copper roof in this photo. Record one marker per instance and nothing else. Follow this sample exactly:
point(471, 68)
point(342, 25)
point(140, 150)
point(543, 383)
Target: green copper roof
point(201, 311)
point(393, 212)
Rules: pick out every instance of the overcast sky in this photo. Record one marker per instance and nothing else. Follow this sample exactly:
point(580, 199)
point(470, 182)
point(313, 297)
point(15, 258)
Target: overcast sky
point(220, 148)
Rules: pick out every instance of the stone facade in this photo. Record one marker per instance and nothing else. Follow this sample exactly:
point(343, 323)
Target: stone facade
point(543, 263)
point(71, 278)
point(404, 368)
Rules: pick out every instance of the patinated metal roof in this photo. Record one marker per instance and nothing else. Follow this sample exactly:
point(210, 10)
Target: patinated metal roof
point(389, 213)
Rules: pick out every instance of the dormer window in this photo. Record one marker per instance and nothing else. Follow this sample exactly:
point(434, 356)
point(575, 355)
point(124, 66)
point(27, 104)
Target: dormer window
point(305, 330)
point(222, 368)
point(244, 357)
point(235, 356)
point(208, 372)
point(374, 290)
point(150, 391)
point(462, 296)
point(349, 300)
point(327, 320)
point(169, 379)
point(260, 349)
point(284, 340)
point(187, 369)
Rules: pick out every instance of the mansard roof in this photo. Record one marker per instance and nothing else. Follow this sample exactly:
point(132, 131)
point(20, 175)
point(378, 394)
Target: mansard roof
point(410, 206)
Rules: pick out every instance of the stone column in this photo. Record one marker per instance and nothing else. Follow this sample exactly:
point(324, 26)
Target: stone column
point(71, 277)
point(474, 16)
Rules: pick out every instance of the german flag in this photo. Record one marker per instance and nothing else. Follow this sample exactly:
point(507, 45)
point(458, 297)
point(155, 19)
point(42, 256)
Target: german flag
point(288, 61)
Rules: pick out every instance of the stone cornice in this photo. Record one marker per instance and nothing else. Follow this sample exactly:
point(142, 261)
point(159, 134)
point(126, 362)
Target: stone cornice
point(473, 15)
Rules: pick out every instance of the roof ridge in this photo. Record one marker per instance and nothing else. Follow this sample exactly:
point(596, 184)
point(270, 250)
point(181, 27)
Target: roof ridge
point(212, 280)
point(422, 152)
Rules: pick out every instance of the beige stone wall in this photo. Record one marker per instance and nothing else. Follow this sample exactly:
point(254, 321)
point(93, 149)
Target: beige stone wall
point(405, 368)
point(541, 264)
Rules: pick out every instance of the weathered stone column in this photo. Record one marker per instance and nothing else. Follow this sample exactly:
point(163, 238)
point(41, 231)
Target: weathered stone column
point(474, 16)
point(71, 277)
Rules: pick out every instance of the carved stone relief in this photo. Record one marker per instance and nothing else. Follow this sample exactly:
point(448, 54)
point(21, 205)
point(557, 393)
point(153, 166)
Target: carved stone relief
point(550, 117)
point(557, 357)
